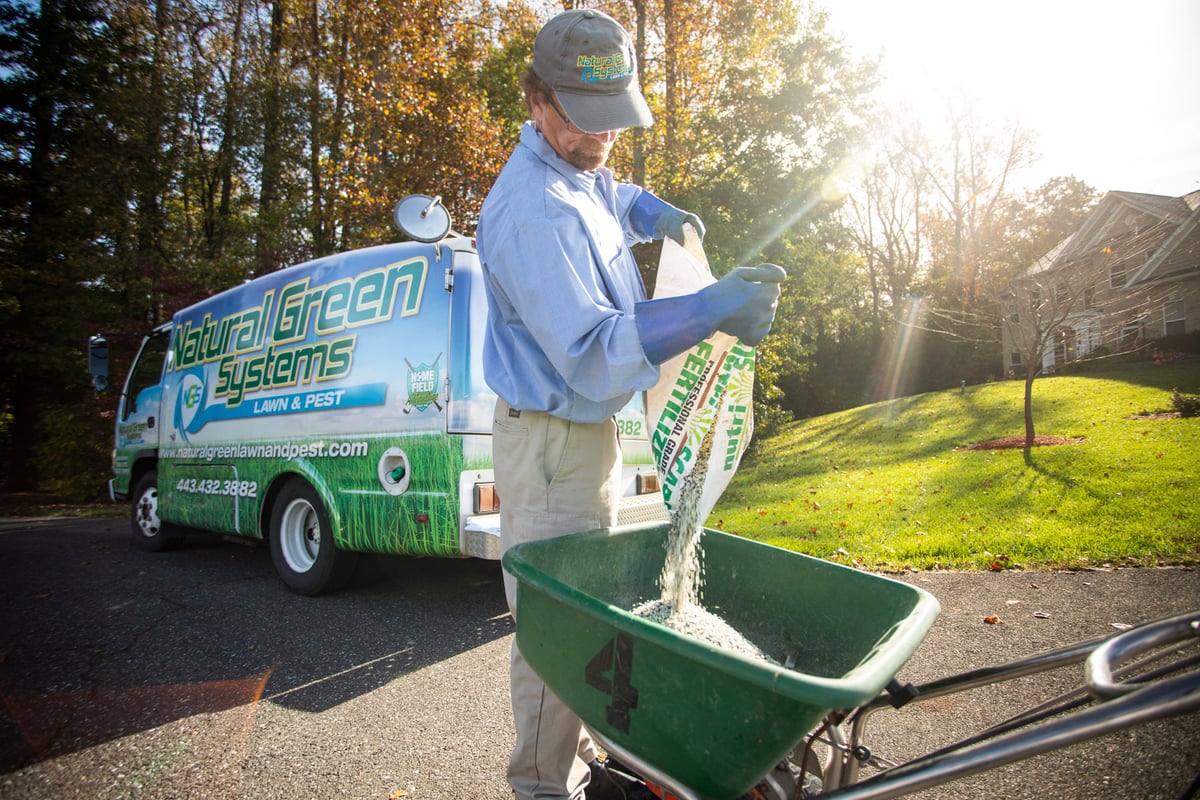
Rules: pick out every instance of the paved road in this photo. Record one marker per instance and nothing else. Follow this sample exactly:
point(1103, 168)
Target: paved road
point(195, 674)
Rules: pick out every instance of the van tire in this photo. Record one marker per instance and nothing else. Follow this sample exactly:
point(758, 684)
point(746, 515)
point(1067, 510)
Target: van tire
point(302, 545)
point(150, 533)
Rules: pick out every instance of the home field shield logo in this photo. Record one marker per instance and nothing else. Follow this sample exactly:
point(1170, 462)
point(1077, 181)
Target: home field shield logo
point(422, 386)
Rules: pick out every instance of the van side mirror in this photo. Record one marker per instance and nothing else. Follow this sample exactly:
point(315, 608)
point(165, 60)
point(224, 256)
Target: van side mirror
point(421, 218)
point(98, 362)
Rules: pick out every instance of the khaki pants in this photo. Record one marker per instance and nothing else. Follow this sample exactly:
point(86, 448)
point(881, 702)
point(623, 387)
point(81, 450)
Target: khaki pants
point(554, 477)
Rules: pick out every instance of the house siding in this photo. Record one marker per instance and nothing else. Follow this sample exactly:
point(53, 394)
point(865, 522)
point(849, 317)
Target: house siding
point(1152, 242)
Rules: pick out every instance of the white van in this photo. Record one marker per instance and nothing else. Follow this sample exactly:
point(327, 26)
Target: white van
point(333, 407)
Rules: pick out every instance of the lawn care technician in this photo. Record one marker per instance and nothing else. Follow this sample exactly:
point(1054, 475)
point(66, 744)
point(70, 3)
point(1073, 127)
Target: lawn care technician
point(571, 335)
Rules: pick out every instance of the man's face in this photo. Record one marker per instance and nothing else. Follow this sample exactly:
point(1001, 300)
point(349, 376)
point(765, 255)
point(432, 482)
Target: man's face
point(585, 151)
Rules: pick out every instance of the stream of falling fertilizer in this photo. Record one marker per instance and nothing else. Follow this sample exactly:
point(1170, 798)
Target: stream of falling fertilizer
point(682, 575)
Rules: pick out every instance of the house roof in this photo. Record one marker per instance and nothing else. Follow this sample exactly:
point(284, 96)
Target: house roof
point(1178, 252)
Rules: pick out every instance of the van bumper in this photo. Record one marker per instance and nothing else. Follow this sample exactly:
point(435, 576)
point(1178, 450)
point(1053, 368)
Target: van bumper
point(481, 537)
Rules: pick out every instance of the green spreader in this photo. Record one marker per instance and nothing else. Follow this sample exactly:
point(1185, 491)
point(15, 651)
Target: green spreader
point(713, 720)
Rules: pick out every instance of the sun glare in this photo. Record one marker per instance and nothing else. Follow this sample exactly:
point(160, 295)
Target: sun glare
point(1104, 85)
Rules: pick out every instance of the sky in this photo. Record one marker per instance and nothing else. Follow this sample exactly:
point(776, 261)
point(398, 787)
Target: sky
point(1111, 88)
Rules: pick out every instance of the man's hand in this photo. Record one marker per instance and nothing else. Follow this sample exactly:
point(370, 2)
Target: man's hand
point(743, 302)
point(655, 217)
point(670, 223)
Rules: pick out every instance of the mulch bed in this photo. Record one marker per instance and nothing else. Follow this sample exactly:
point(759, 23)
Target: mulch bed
point(1015, 442)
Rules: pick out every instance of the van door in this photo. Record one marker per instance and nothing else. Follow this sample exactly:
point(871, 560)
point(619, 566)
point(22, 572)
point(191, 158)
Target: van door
point(139, 417)
point(470, 400)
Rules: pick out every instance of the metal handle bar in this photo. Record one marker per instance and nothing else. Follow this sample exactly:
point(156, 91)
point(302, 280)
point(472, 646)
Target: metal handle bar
point(1167, 698)
point(1098, 667)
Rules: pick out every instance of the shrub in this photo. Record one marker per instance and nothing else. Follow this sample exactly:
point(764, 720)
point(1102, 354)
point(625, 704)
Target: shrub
point(1188, 405)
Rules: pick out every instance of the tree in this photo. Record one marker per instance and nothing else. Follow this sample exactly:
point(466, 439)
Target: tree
point(159, 151)
point(755, 108)
point(1036, 308)
point(964, 231)
point(57, 210)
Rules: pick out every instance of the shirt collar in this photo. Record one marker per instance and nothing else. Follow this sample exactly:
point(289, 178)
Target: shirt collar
point(532, 138)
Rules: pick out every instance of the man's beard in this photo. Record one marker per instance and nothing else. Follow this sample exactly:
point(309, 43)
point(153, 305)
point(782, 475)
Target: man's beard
point(589, 154)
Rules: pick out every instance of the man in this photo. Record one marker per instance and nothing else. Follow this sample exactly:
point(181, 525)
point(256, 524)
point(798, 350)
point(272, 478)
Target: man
point(571, 336)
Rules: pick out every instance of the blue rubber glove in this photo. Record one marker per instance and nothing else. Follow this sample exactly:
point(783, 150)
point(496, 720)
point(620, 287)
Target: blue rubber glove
point(657, 218)
point(742, 304)
point(670, 223)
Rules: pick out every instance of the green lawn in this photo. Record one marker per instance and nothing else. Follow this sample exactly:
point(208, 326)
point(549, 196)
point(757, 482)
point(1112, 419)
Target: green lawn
point(887, 486)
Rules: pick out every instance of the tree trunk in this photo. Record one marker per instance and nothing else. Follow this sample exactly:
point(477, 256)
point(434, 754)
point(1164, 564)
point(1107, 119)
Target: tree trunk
point(267, 240)
point(35, 250)
point(672, 48)
point(1030, 374)
point(639, 135)
point(227, 151)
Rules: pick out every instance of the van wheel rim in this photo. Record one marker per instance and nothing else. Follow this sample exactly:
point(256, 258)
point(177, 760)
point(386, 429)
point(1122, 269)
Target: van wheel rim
point(300, 535)
point(147, 514)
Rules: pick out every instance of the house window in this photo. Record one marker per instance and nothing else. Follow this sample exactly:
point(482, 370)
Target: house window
point(1015, 360)
point(1116, 276)
point(1173, 318)
point(1089, 298)
point(1062, 296)
point(1130, 335)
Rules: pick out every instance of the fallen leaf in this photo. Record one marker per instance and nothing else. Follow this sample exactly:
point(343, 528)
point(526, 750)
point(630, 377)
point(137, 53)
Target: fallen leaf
point(1121, 626)
point(992, 620)
point(1042, 614)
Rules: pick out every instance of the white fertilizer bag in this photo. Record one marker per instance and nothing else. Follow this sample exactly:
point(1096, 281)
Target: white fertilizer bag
point(709, 388)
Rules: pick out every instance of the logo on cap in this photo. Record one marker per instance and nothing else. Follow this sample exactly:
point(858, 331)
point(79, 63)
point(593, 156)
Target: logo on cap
point(603, 68)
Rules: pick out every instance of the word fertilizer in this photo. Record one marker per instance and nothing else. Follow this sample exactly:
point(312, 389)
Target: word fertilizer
point(707, 388)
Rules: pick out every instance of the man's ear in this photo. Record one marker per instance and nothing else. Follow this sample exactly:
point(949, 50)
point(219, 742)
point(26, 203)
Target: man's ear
point(537, 110)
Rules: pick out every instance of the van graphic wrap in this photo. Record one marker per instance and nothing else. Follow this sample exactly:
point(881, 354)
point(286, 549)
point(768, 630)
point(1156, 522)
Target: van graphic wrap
point(223, 486)
point(297, 373)
point(353, 382)
point(319, 339)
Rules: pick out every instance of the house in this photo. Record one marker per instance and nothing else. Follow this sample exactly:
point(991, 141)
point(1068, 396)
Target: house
point(1128, 276)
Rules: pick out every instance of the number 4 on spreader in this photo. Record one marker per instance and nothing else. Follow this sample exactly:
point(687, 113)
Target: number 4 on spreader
point(615, 659)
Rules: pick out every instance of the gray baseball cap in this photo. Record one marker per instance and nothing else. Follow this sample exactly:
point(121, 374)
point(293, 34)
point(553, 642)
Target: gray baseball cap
point(588, 59)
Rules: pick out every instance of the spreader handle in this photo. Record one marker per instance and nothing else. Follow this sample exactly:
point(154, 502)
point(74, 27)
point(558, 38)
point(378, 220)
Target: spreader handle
point(1098, 667)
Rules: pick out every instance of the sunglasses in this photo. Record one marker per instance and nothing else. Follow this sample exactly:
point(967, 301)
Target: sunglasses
point(571, 126)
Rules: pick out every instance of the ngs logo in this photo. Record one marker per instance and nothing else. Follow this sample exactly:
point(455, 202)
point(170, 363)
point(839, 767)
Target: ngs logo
point(191, 401)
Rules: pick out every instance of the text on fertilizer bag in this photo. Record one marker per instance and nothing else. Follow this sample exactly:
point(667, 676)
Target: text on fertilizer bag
point(690, 408)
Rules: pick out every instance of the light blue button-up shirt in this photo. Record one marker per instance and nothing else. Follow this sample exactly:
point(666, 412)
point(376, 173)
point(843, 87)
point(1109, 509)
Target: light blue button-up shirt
point(561, 286)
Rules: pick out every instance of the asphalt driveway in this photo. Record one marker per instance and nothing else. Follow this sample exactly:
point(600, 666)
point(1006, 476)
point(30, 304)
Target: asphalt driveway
point(195, 674)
